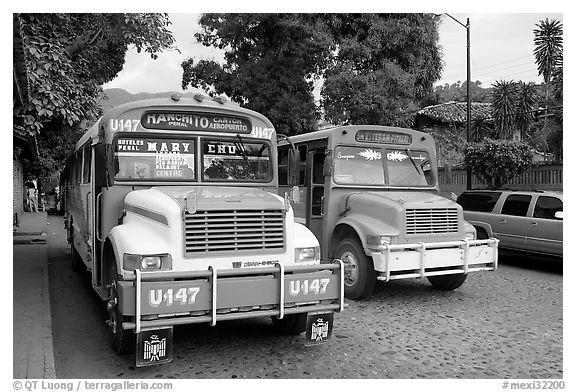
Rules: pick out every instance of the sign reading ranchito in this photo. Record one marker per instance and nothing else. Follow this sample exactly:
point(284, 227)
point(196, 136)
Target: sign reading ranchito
point(190, 121)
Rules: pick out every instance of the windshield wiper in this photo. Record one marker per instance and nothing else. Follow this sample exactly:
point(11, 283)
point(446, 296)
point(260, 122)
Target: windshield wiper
point(242, 148)
point(413, 162)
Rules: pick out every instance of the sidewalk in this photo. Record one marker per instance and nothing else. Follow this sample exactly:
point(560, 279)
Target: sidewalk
point(33, 355)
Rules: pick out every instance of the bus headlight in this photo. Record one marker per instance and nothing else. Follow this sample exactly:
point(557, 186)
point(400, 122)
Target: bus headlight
point(302, 255)
point(378, 241)
point(161, 262)
point(470, 236)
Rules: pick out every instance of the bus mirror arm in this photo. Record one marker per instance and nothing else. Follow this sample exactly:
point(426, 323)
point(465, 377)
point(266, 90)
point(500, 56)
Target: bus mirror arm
point(294, 166)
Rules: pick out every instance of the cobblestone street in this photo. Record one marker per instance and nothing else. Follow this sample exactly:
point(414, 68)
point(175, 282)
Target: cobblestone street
point(503, 324)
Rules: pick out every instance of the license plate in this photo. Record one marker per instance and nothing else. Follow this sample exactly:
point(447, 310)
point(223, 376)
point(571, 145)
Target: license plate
point(318, 327)
point(154, 347)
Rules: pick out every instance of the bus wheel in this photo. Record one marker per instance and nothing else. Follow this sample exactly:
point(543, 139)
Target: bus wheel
point(77, 262)
point(290, 324)
point(447, 282)
point(359, 275)
point(121, 340)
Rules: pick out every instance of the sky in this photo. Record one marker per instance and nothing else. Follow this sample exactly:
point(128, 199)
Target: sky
point(501, 48)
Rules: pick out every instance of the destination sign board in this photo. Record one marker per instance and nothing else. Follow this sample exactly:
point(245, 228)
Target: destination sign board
point(195, 121)
point(383, 137)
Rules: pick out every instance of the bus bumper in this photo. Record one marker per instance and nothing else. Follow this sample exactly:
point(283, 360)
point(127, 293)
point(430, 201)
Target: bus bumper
point(156, 301)
point(437, 258)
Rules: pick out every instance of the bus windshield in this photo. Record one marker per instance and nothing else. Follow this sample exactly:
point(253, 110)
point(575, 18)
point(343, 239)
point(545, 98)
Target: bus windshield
point(149, 158)
point(237, 160)
point(174, 159)
point(380, 166)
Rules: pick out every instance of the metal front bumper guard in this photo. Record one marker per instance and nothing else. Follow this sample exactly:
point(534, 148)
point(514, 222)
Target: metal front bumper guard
point(387, 252)
point(132, 288)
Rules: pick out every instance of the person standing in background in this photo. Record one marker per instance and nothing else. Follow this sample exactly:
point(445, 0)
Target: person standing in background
point(31, 196)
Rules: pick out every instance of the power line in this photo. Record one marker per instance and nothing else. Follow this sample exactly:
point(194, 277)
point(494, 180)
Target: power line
point(494, 65)
point(504, 62)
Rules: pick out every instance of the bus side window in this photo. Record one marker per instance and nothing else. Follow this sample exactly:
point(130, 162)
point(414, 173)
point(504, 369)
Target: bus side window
point(303, 156)
point(86, 165)
point(77, 168)
point(318, 167)
point(283, 165)
point(318, 182)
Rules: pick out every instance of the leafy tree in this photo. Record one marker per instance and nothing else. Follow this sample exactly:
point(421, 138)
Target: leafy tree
point(498, 161)
point(376, 67)
point(69, 57)
point(383, 65)
point(271, 61)
point(457, 92)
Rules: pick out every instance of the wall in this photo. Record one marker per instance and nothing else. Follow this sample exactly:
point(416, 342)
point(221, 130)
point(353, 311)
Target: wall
point(17, 186)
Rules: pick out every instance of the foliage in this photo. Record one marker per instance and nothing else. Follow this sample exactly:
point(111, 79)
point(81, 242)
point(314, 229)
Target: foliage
point(457, 92)
point(376, 67)
point(69, 57)
point(498, 161)
point(504, 104)
point(271, 60)
point(548, 51)
point(383, 66)
point(548, 39)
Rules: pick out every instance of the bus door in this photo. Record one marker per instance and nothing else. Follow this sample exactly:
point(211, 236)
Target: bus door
point(315, 201)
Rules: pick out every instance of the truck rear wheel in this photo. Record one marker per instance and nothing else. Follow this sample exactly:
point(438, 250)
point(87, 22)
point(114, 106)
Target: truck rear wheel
point(359, 274)
point(291, 324)
point(447, 282)
point(121, 340)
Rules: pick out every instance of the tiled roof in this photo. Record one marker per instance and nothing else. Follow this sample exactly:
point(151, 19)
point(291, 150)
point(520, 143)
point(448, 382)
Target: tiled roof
point(455, 112)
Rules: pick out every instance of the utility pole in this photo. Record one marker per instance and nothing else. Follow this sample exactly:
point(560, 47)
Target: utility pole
point(468, 98)
point(468, 101)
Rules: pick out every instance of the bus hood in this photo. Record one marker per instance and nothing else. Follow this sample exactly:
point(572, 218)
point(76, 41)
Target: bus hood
point(392, 202)
point(413, 199)
point(221, 198)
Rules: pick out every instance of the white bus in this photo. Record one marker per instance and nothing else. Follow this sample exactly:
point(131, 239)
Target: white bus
point(172, 206)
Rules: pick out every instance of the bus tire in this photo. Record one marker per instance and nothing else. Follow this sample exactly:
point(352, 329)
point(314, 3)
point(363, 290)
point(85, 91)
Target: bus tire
point(359, 274)
point(77, 263)
point(290, 324)
point(447, 282)
point(121, 340)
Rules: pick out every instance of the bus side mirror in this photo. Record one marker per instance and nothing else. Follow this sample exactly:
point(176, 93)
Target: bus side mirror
point(327, 170)
point(293, 166)
point(296, 195)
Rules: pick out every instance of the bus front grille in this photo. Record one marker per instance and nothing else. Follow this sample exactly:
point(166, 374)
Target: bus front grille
point(431, 220)
point(233, 231)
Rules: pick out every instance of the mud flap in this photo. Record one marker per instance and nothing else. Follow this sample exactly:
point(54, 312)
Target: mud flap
point(154, 346)
point(318, 327)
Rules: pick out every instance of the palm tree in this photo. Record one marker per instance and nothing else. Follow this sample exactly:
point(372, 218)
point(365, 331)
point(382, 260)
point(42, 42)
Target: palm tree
point(526, 107)
point(548, 51)
point(504, 98)
point(549, 45)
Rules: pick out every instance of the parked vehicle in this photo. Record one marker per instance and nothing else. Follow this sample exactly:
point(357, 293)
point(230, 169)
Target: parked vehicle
point(370, 195)
point(523, 221)
point(172, 207)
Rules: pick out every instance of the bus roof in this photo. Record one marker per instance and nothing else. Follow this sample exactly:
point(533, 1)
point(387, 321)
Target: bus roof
point(175, 102)
point(326, 133)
